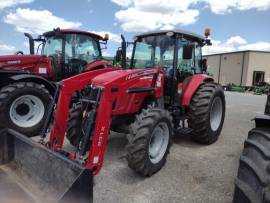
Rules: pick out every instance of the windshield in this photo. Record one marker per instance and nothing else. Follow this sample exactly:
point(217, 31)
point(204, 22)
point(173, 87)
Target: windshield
point(77, 46)
point(154, 51)
point(82, 47)
point(52, 47)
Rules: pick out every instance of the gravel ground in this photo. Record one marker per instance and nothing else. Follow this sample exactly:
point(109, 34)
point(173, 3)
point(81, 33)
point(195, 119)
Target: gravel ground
point(193, 173)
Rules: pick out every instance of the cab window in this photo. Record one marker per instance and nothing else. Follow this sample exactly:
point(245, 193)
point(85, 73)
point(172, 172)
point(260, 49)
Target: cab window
point(151, 51)
point(189, 65)
point(183, 63)
point(81, 47)
point(198, 57)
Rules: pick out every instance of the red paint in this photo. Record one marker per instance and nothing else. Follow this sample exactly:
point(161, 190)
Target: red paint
point(126, 102)
point(26, 63)
point(125, 79)
point(96, 64)
point(68, 87)
point(32, 63)
point(190, 86)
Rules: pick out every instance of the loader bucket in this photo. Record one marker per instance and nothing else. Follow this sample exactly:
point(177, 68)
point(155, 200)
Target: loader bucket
point(31, 173)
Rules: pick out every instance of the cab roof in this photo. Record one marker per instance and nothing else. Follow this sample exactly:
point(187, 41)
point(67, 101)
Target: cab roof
point(74, 32)
point(187, 34)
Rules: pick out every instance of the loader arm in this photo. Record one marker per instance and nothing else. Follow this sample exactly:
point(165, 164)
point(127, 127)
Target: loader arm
point(101, 131)
point(98, 125)
point(104, 110)
point(67, 88)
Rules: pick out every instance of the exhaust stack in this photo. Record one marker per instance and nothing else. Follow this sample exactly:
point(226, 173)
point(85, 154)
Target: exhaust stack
point(31, 43)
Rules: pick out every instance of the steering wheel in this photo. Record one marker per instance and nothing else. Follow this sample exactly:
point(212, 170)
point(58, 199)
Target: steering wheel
point(76, 65)
point(19, 53)
point(55, 66)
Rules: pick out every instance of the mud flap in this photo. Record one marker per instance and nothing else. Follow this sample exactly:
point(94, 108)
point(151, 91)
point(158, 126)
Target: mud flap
point(43, 175)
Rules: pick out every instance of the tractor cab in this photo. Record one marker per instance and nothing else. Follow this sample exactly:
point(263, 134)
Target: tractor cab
point(69, 50)
point(178, 52)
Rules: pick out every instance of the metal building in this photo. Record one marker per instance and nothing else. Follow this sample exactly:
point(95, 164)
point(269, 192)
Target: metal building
point(244, 68)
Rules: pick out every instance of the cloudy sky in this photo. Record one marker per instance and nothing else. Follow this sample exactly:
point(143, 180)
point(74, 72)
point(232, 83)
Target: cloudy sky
point(235, 24)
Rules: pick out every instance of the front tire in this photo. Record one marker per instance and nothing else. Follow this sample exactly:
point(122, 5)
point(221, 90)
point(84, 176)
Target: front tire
point(23, 106)
point(252, 183)
point(149, 141)
point(206, 113)
point(74, 131)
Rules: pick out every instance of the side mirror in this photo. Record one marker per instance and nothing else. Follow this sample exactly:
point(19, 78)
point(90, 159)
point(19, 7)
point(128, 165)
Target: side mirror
point(118, 55)
point(188, 51)
point(204, 65)
point(106, 37)
point(208, 42)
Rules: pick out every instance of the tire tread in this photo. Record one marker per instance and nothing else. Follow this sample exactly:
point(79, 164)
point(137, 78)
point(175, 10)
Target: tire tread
point(252, 183)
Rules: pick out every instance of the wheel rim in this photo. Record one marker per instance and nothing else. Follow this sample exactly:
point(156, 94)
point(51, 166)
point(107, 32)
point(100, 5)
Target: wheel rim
point(159, 142)
point(26, 111)
point(216, 113)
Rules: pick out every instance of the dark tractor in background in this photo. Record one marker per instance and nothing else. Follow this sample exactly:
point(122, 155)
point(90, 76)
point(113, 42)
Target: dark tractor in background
point(252, 183)
point(27, 81)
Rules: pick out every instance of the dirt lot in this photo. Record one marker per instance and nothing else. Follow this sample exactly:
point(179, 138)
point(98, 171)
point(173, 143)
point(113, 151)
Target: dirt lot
point(193, 173)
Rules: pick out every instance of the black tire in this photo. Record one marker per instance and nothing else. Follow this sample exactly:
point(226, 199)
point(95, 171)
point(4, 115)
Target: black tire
point(74, 134)
point(10, 93)
point(139, 139)
point(199, 113)
point(252, 182)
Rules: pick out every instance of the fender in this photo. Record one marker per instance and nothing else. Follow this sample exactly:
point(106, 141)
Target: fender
point(190, 86)
point(96, 64)
point(262, 121)
point(50, 86)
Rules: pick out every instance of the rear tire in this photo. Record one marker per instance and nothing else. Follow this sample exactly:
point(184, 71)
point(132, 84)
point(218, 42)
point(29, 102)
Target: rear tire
point(23, 106)
point(149, 141)
point(252, 182)
point(206, 113)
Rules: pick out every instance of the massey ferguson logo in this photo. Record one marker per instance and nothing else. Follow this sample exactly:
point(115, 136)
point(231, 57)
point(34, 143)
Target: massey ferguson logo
point(146, 72)
point(14, 62)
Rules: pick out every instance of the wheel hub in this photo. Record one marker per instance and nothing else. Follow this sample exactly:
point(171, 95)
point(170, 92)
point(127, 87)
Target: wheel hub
point(26, 111)
point(22, 109)
point(159, 142)
point(216, 113)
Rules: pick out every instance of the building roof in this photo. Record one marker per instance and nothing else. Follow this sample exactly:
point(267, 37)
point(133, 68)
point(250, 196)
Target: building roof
point(185, 33)
point(236, 52)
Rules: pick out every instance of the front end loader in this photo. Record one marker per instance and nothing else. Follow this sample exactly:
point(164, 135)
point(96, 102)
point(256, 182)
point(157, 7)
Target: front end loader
point(30, 172)
point(37, 171)
point(152, 100)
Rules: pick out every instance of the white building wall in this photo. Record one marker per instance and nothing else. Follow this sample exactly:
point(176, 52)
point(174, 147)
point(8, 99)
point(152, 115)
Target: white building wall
point(258, 61)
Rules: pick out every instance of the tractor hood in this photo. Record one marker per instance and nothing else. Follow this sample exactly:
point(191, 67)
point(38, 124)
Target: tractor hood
point(21, 62)
point(120, 76)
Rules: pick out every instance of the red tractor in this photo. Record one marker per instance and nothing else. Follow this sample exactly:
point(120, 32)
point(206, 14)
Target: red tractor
point(164, 87)
point(26, 86)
